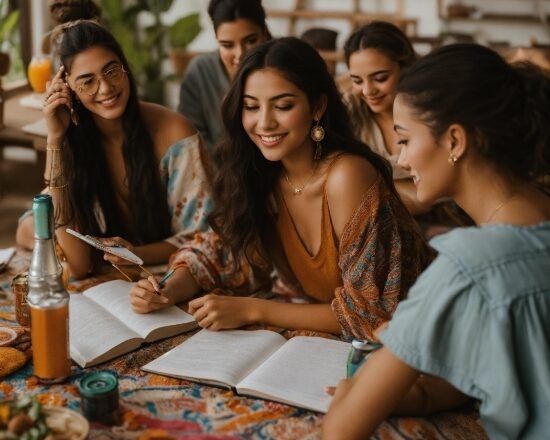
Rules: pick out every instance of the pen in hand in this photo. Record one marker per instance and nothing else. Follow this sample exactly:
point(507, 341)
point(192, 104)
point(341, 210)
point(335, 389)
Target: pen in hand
point(166, 277)
point(160, 284)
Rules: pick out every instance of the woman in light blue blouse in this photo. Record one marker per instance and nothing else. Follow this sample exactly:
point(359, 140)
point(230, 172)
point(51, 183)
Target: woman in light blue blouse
point(477, 130)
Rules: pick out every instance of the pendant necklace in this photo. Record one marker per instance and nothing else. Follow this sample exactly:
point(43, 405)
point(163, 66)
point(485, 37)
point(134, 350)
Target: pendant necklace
point(297, 190)
point(498, 207)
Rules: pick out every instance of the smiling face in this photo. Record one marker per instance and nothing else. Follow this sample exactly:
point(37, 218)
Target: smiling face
point(277, 115)
point(111, 94)
point(235, 38)
point(422, 156)
point(374, 78)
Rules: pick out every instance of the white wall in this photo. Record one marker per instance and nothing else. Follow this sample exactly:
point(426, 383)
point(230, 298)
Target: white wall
point(39, 19)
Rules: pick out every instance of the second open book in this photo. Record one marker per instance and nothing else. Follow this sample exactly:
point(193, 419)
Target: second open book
point(260, 363)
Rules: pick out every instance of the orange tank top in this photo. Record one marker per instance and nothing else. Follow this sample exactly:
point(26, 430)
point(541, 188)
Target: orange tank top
point(318, 274)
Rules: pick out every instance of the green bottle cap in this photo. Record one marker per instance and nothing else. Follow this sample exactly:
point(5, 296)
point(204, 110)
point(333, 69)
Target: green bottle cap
point(98, 383)
point(42, 210)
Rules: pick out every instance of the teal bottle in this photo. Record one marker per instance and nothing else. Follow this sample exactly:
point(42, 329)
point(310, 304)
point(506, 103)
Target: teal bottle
point(48, 299)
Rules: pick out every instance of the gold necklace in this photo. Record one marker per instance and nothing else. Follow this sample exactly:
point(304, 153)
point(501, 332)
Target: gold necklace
point(296, 190)
point(499, 206)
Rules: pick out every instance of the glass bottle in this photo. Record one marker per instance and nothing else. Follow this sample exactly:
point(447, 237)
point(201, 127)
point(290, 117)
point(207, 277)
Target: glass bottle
point(48, 299)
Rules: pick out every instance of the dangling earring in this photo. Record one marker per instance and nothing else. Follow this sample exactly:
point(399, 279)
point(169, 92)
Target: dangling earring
point(452, 159)
point(75, 119)
point(317, 135)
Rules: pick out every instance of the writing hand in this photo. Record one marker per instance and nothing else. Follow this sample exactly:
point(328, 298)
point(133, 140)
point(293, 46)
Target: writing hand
point(145, 297)
point(217, 312)
point(57, 105)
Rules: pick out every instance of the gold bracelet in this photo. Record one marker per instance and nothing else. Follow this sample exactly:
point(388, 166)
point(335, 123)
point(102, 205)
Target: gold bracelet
point(58, 187)
point(52, 149)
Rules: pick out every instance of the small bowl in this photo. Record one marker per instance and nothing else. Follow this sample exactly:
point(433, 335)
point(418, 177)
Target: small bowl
point(66, 423)
point(7, 336)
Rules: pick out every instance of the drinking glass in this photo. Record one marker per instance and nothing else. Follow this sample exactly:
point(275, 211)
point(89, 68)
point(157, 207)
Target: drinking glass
point(39, 72)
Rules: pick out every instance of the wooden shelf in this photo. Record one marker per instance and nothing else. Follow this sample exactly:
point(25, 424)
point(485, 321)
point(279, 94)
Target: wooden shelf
point(344, 15)
point(523, 18)
point(478, 15)
point(354, 15)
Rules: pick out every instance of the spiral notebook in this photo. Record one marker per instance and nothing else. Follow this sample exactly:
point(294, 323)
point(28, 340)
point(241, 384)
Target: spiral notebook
point(119, 251)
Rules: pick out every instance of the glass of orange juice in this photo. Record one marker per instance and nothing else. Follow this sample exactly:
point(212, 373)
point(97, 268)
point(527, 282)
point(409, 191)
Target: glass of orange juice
point(39, 72)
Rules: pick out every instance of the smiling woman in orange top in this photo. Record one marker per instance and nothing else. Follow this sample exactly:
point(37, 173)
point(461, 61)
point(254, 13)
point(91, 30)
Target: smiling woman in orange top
point(296, 191)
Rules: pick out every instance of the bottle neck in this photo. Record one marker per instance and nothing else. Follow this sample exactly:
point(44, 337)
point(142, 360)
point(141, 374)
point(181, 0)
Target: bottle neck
point(43, 221)
point(44, 262)
point(46, 288)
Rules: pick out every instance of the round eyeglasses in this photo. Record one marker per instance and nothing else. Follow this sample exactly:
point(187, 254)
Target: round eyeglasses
point(90, 85)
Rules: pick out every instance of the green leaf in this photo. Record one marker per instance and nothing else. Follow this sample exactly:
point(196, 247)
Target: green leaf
point(158, 6)
point(184, 30)
point(112, 9)
point(8, 24)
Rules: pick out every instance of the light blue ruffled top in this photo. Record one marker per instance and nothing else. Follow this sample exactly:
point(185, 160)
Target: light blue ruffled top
point(479, 317)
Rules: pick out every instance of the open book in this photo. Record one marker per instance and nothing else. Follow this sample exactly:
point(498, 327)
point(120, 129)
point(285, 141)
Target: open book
point(102, 324)
point(260, 363)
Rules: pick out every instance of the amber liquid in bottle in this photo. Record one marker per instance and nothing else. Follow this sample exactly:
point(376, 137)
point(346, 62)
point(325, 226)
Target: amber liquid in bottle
point(49, 330)
point(48, 300)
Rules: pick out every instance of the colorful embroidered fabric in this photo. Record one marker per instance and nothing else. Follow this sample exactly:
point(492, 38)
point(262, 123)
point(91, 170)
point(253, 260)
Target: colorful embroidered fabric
point(382, 252)
point(156, 407)
point(183, 172)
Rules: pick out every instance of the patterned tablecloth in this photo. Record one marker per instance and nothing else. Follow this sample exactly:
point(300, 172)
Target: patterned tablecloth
point(157, 407)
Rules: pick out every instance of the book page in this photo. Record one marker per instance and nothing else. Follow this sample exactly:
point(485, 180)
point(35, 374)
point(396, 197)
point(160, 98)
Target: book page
point(221, 358)
point(93, 332)
point(298, 372)
point(114, 296)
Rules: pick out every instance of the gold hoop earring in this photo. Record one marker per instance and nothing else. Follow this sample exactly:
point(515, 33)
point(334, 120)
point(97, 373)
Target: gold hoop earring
point(452, 159)
point(317, 135)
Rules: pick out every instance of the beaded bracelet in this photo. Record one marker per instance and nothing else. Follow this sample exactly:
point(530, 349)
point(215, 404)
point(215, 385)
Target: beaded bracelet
point(52, 149)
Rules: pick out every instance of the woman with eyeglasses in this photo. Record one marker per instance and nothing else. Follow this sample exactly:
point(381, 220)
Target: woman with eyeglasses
point(116, 166)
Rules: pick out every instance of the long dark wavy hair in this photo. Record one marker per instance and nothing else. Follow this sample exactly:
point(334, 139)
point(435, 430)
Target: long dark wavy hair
point(85, 163)
point(505, 109)
point(244, 180)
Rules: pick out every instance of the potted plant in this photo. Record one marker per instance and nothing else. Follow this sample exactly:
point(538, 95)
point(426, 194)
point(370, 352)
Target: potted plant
point(8, 23)
point(180, 34)
point(147, 47)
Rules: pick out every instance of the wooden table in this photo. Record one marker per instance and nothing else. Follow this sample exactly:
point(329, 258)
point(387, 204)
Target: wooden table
point(15, 117)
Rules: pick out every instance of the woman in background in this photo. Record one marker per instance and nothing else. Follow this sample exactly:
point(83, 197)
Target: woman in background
point(116, 166)
point(376, 55)
point(294, 189)
point(239, 25)
point(479, 316)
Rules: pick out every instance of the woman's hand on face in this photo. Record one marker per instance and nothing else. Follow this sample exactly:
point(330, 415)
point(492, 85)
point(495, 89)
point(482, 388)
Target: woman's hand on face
point(217, 312)
point(117, 241)
point(57, 105)
point(145, 296)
